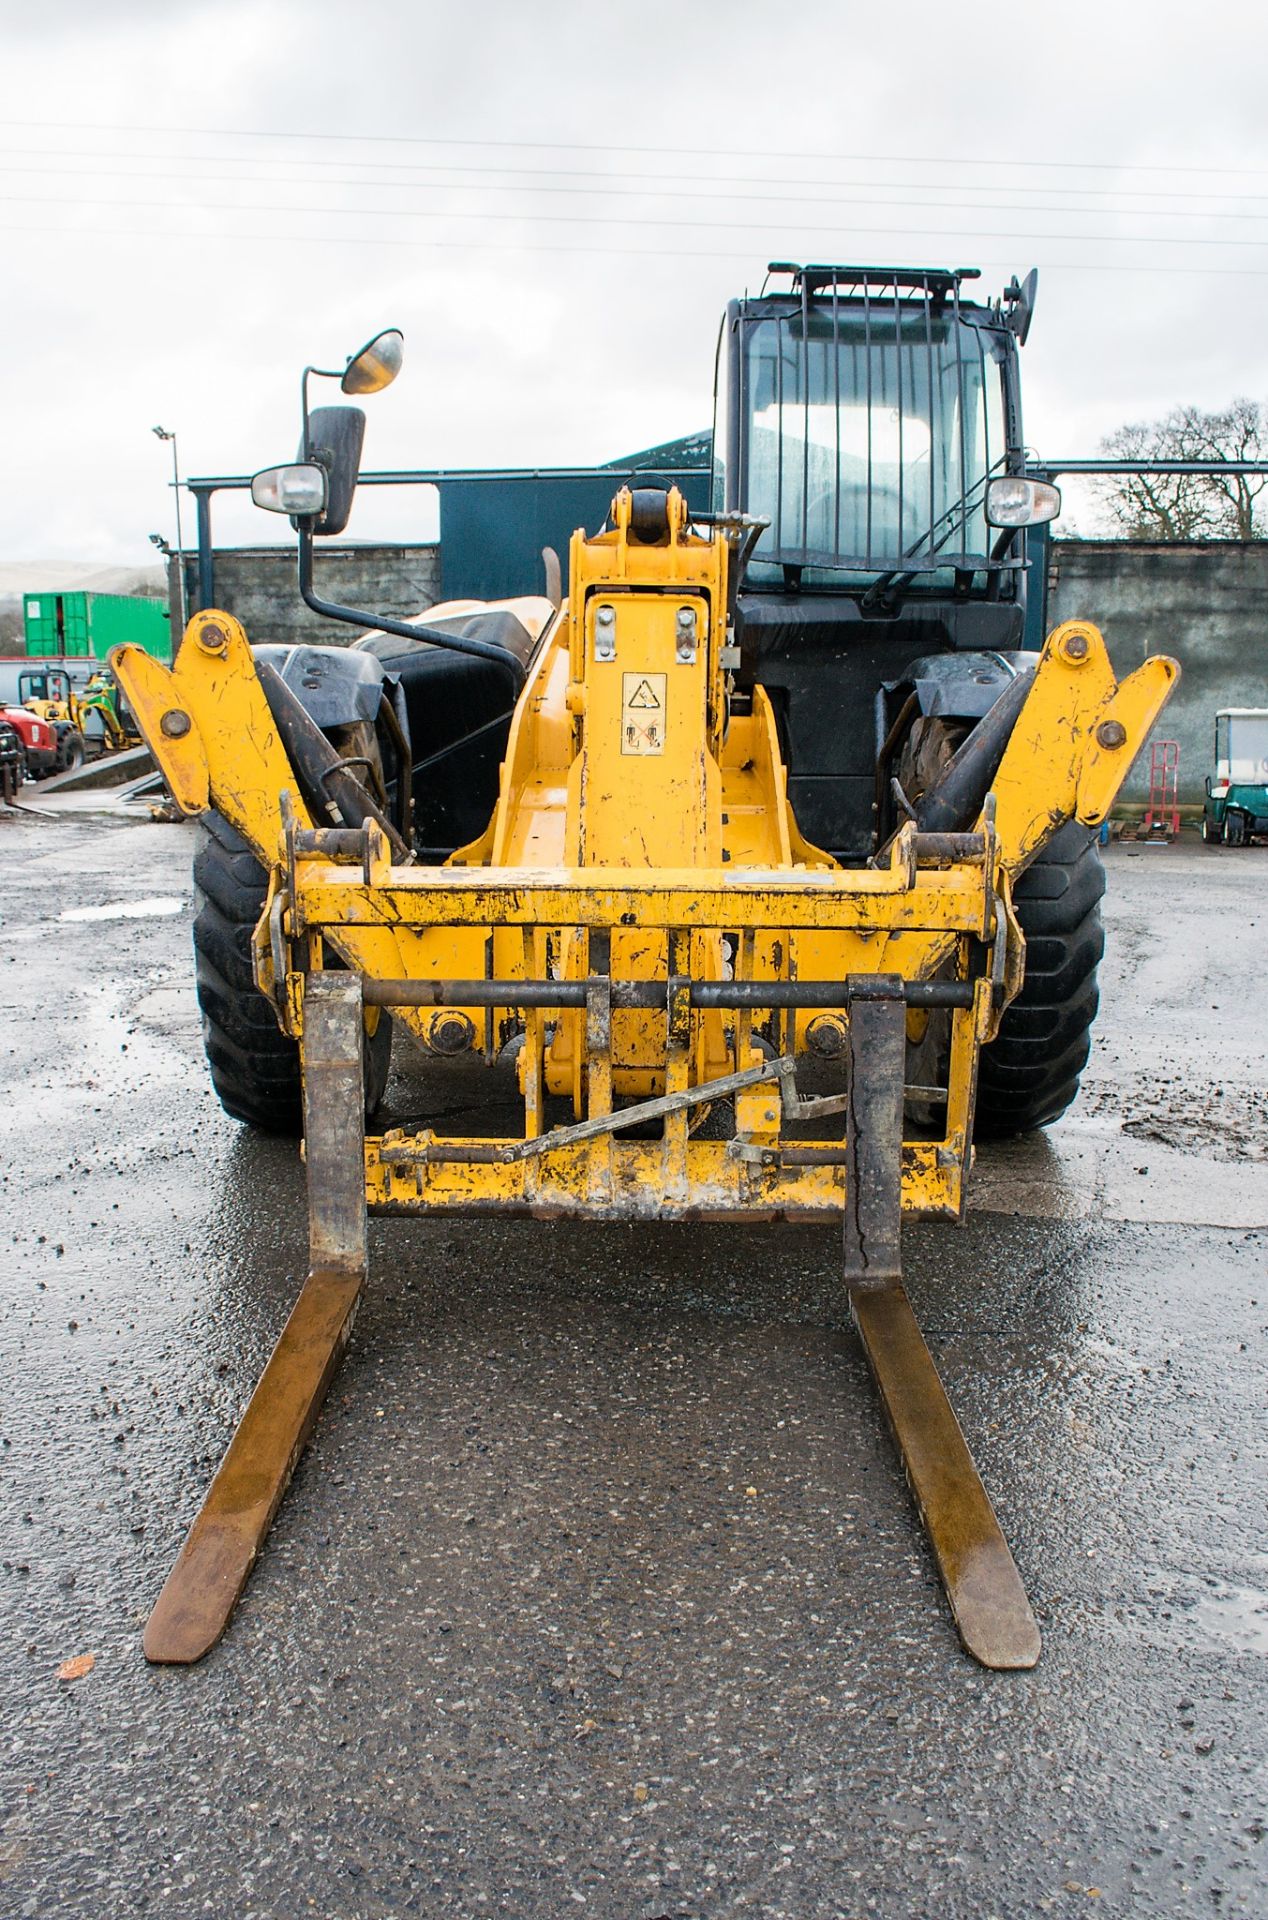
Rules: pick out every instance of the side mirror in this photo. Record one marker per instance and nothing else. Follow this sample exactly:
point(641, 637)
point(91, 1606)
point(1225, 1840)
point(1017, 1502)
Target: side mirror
point(335, 438)
point(377, 364)
point(1022, 304)
point(298, 489)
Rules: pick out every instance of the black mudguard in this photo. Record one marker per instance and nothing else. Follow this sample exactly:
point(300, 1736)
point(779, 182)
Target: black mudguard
point(959, 686)
point(336, 686)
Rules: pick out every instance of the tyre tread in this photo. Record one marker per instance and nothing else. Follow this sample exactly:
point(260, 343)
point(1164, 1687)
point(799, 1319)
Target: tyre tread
point(254, 1066)
point(1029, 1073)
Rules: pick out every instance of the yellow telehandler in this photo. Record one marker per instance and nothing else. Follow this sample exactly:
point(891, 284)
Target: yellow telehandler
point(765, 861)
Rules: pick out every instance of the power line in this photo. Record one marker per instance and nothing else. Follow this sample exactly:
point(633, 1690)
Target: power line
point(675, 192)
point(585, 146)
point(673, 182)
point(608, 220)
point(157, 234)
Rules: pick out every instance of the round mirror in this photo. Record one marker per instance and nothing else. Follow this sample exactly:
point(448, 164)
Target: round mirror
point(377, 364)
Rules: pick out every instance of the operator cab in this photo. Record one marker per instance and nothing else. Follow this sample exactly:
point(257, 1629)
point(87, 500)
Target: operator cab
point(50, 684)
point(1241, 746)
point(872, 416)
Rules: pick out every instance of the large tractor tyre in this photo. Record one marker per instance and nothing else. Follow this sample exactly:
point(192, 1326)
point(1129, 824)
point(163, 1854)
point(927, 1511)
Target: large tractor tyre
point(254, 1065)
point(1029, 1073)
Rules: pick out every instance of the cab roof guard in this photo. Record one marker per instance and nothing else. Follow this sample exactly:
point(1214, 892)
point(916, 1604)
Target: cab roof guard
point(811, 280)
point(934, 284)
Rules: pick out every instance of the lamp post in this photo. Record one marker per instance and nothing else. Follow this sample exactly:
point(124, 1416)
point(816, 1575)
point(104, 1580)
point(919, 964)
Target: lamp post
point(182, 610)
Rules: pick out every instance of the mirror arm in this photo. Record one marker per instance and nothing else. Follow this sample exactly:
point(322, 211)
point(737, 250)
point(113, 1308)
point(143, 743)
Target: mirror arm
point(303, 402)
point(322, 373)
point(380, 623)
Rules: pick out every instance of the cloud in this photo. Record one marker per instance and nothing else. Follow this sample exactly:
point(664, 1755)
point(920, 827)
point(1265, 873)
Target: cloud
point(561, 302)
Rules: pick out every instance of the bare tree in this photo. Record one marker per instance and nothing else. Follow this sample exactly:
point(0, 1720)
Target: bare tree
point(1150, 506)
point(1240, 432)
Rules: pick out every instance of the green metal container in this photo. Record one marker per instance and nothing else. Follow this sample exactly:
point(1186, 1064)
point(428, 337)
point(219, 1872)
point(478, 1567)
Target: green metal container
point(84, 626)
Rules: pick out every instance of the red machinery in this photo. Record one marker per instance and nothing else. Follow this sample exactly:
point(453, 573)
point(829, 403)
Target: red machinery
point(39, 741)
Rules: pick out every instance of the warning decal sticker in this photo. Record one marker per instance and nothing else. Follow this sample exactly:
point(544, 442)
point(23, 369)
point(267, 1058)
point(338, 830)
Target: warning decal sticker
point(643, 712)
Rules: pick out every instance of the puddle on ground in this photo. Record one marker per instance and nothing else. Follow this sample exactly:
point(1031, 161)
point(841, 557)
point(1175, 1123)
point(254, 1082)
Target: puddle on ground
point(167, 1009)
point(129, 909)
point(1225, 1615)
point(1238, 1616)
point(1226, 1121)
point(1099, 1167)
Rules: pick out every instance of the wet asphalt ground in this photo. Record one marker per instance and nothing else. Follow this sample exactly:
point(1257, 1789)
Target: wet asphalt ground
point(599, 1589)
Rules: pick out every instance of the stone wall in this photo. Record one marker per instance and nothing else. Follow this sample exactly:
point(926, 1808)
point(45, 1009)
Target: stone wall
point(258, 586)
point(1206, 603)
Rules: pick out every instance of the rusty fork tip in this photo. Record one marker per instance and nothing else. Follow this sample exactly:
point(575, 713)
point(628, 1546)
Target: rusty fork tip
point(1015, 1650)
point(159, 1654)
point(198, 1598)
point(171, 1643)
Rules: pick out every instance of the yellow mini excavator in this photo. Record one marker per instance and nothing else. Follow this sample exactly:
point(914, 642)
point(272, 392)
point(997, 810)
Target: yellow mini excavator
point(773, 820)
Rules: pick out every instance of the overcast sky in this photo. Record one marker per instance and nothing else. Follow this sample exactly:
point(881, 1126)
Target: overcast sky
point(197, 196)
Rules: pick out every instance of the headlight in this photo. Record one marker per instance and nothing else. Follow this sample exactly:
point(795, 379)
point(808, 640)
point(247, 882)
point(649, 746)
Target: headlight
point(1014, 502)
point(299, 489)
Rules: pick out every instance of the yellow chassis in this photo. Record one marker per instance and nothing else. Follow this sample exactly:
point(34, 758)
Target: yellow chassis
point(757, 1172)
